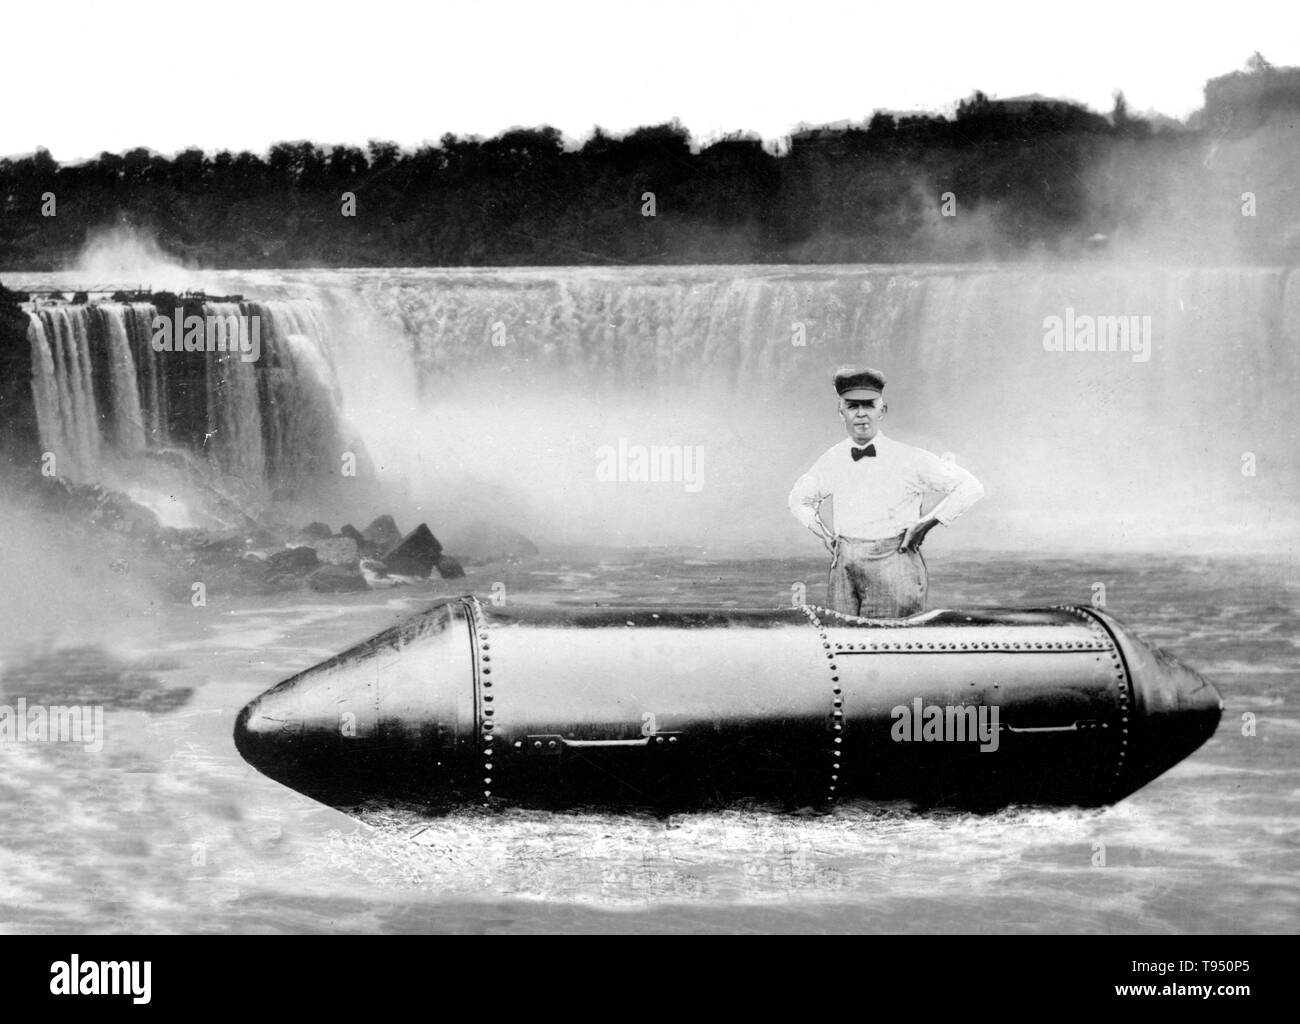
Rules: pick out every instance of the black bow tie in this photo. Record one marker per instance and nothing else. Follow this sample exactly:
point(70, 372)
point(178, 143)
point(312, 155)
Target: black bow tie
point(869, 452)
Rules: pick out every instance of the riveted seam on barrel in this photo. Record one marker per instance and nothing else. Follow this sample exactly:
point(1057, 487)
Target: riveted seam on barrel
point(837, 720)
point(1123, 683)
point(484, 704)
point(956, 647)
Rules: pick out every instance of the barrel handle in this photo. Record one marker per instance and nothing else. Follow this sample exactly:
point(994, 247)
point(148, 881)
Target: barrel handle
point(1083, 726)
point(644, 741)
point(552, 744)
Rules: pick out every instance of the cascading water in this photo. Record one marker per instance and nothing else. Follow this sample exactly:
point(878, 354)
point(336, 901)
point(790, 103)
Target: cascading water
point(497, 392)
point(128, 429)
point(105, 393)
point(149, 371)
point(234, 415)
point(63, 387)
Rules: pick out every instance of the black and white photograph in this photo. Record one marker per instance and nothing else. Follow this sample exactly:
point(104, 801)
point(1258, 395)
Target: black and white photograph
point(697, 468)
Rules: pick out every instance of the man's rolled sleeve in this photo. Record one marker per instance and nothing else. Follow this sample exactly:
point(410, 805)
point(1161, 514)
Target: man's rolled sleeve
point(805, 499)
point(960, 488)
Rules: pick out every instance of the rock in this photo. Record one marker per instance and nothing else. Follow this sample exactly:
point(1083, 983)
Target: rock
point(293, 559)
point(377, 577)
point(490, 540)
point(383, 533)
point(318, 531)
point(365, 548)
point(416, 555)
point(449, 568)
point(337, 579)
point(337, 551)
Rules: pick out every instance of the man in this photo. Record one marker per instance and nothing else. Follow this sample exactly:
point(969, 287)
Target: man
point(878, 485)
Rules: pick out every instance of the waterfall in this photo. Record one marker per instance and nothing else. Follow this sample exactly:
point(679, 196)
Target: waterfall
point(63, 388)
point(494, 391)
point(300, 392)
point(45, 389)
point(234, 416)
point(128, 429)
point(149, 372)
point(1191, 441)
point(105, 393)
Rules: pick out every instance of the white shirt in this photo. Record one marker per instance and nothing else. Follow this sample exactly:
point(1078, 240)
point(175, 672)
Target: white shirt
point(880, 497)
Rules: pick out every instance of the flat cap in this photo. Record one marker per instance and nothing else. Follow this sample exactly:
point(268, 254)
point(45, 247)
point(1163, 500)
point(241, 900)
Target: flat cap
point(858, 378)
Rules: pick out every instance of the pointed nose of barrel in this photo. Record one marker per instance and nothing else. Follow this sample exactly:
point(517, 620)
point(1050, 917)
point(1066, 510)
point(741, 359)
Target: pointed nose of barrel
point(392, 708)
point(304, 731)
point(1178, 701)
point(1173, 709)
point(307, 710)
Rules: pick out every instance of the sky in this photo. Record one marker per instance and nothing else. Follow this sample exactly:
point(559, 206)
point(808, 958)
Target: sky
point(81, 77)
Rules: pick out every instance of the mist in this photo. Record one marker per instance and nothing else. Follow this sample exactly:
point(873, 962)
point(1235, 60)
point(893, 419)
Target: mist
point(495, 394)
point(67, 584)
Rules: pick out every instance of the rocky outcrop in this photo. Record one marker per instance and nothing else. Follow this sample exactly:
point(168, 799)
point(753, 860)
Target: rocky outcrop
point(379, 578)
point(449, 568)
point(249, 557)
point(416, 555)
point(337, 551)
point(293, 559)
point(383, 533)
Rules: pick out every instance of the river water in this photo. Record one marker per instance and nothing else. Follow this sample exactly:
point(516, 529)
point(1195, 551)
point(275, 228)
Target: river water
point(166, 829)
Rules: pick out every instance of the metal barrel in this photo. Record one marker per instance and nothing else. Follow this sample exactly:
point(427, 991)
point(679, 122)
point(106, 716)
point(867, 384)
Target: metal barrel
point(673, 709)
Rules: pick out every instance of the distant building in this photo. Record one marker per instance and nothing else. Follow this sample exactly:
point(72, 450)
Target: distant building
point(1244, 100)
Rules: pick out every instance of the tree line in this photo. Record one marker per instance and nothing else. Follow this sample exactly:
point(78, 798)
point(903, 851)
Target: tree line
point(870, 192)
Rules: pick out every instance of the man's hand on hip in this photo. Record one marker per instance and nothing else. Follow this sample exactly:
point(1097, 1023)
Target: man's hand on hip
point(832, 544)
point(916, 534)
